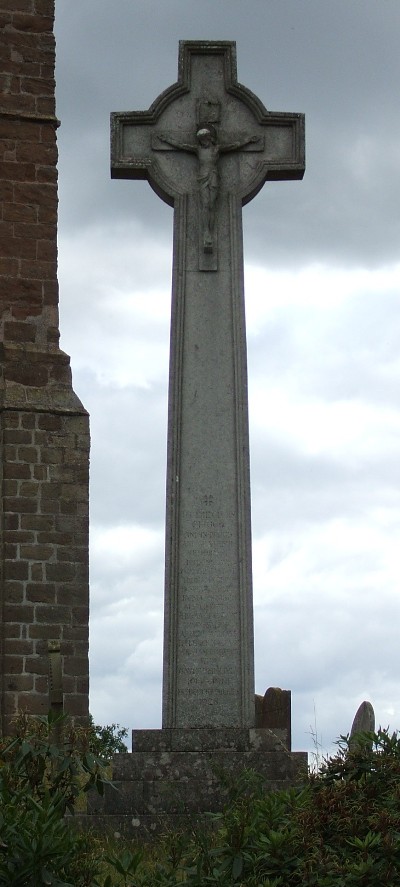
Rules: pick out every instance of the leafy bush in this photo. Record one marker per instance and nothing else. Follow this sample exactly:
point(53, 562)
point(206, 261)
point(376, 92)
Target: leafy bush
point(340, 829)
point(40, 781)
point(107, 741)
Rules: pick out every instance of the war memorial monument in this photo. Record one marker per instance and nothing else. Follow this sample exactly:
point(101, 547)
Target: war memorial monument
point(206, 146)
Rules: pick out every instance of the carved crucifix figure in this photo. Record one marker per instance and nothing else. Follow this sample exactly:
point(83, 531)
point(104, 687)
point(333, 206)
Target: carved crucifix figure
point(207, 145)
point(208, 151)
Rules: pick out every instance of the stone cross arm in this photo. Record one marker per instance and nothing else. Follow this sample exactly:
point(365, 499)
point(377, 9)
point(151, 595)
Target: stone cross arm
point(161, 144)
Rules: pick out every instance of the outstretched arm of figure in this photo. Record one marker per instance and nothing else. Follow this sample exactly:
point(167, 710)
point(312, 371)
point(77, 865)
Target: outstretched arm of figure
point(235, 146)
point(175, 143)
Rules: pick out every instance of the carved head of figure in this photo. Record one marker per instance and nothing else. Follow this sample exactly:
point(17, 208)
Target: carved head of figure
point(206, 135)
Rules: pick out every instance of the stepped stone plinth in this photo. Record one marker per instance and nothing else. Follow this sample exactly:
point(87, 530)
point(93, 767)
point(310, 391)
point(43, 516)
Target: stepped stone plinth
point(176, 776)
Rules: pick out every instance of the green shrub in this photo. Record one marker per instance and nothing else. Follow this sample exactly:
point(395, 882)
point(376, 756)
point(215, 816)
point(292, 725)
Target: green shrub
point(340, 829)
point(40, 781)
point(107, 741)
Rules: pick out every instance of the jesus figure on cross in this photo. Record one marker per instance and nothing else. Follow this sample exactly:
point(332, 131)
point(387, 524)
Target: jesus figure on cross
point(208, 151)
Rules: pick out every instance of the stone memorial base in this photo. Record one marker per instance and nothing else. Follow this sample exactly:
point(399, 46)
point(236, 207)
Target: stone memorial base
point(176, 776)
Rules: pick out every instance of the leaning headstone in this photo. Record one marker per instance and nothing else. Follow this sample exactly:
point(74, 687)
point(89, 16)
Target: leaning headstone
point(364, 722)
point(277, 713)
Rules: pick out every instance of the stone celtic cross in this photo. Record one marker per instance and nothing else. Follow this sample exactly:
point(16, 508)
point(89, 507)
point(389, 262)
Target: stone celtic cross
point(207, 145)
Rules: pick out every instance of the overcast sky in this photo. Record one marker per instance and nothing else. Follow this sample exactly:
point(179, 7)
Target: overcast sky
point(322, 279)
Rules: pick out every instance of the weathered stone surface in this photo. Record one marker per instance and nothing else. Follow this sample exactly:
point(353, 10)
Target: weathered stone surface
point(191, 739)
point(364, 722)
point(44, 429)
point(152, 788)
point(277, 713)
point(207, 145)
point(258, 702)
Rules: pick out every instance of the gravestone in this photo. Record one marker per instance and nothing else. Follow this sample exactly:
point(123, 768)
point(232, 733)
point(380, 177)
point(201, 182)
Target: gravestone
point(206, 146)
point(276, 713)
point(363, 722)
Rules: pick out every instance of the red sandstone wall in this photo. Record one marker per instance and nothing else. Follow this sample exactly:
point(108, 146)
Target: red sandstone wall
point(28, 173)
point(44, 435)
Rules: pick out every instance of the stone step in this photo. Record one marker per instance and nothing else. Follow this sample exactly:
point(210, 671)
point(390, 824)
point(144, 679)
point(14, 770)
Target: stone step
point(180, 766)
point(169, 796)
point(187, 739)
point(207, 738)
point(143, 824)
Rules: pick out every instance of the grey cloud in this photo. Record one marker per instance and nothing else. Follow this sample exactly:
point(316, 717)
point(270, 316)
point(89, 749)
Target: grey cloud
point(336, 62)
point(129, 423)
point(326, 611)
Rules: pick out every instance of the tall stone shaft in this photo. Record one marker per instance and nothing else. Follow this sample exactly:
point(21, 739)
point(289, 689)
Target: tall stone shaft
point(44, 432)
point(207, 145)
point(208, 669)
